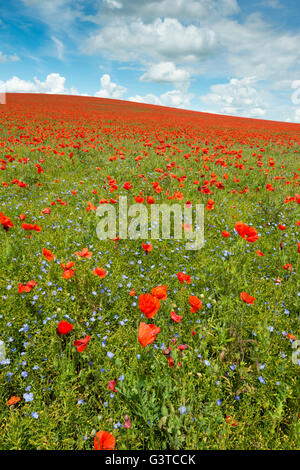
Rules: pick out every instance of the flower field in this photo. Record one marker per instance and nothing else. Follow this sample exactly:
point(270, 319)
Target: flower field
point(143, 344)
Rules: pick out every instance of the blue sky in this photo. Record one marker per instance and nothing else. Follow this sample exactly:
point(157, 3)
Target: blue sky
point(233, 57)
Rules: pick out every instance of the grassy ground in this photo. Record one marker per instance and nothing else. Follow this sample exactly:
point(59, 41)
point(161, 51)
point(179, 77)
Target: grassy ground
point(235, 386)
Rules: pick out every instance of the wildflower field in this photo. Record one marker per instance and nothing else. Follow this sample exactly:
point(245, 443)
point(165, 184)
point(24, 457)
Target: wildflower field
point(143, 344)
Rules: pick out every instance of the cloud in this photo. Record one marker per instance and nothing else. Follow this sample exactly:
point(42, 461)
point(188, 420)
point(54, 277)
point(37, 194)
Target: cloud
point(297, 115)
point(183, 9)
point(59, 47)
point(110, 89)
point(238, 97)
point(113, 4)
point(275, 4)
point(8, 58)
point(54, 83)
point(162, 40)
point(255, 45)
point(166, 72)
point(58, 14)
point(173, 98)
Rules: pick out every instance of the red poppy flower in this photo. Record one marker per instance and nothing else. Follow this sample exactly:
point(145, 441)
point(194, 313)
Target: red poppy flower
point(35, 227)
point(147, 248)
point(46, 211)
point(225, 234)
point(104, 441)
point(248, 299)
point(184, 278)
point(100, 272)
point(246, 232)
point(171, 361)
point(288, 267)
point(147, 333)
point(176, 318)
point(281, 227)
point(195, 303)
point(82, 343)
point(259, 253)
point(5, 222)
point(13, 400)
point(160, 292)
point(289, 336)
point(64, 327)
point(149, 305)
point(28, 287)
point(111, 385)
point(85, 253)
point(48, 255)
point(68, 271)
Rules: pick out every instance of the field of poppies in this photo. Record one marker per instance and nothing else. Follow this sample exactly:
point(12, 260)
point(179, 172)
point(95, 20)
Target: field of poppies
point(143, 344)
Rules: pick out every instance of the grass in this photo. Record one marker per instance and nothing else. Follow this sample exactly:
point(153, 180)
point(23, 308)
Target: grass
point(235, 386)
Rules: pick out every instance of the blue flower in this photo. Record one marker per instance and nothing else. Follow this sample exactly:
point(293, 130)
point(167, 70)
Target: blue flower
point(28, 397)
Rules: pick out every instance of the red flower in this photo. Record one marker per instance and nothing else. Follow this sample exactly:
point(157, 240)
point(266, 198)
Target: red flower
point(259, 253)
point(245, 231)
point(127, 185)
point(5, 222)
point(248, 299)
point(46, 211)
point(100, 272)
point(184, 277)
point(35, 227)
point(147, 333)
point(68, 271)
point(176, 318)
point(160, 292)
point(82, 343)
point(48, 255)
point(26, 288)
point(85, 253)
point(288, 267)
point(147, 248)
point(281, 227)
point(225, 234)
point(104, 441)
point(149, 305)
point(64, 328)
point(111, 385)
point(13, 400)
point(195, 303)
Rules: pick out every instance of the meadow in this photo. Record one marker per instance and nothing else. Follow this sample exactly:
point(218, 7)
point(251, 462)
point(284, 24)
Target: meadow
point(219, 369)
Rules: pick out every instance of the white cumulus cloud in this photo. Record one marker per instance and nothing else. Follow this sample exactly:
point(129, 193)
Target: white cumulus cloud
point(172, 98)
point(54, 83)
point(161, 39)
point(166, 72)
point(238, 97)
point(110, 89)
